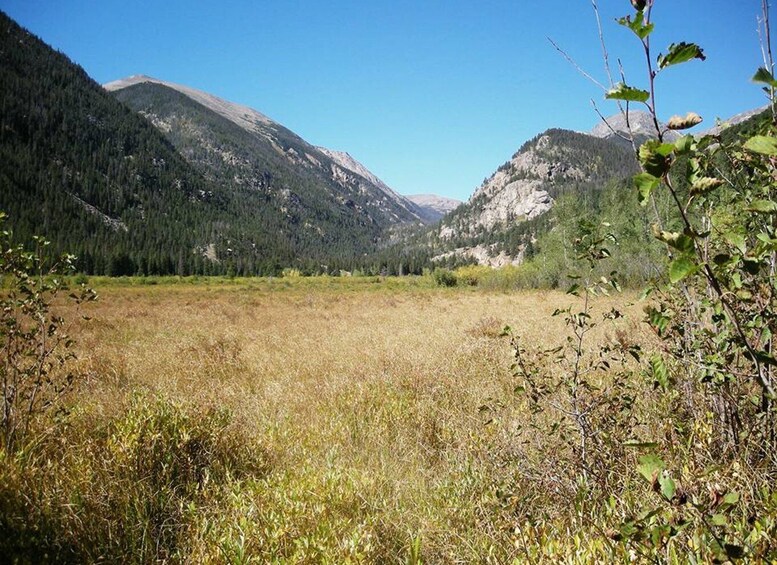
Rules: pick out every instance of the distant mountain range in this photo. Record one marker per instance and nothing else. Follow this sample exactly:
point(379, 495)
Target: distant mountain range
point(269, 146)
point(509, 210)
point(214, 187)
point(151, 177)
point(434, 207)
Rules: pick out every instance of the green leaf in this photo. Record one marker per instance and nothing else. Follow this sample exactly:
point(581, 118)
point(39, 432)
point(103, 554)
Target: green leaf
point(668, 486)
point(645, 183)
point(763, 206)
point(719, 520)
point(694, 171)
point(649, 466)
point(764, 76)
point(680, 53)
point(663, 149)
point(681, 268)
point(679, 241)
point(654, 157)
point(763, 144)
point(731, 498)
point(737, 240)
point(684, 144)
point(659, 372)
point(764, 237)
point(637, 25)
point(622, 91)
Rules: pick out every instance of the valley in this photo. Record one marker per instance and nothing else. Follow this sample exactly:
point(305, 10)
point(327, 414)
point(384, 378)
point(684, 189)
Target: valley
point(357, 406)
point(221, 342)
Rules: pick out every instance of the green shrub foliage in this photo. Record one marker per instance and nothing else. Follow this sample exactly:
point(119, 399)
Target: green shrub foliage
point(33, 337)
point(712, 365)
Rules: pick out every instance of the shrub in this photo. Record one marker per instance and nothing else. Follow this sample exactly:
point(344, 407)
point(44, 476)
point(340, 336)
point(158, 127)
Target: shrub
point(444, 277)
point(33, 337)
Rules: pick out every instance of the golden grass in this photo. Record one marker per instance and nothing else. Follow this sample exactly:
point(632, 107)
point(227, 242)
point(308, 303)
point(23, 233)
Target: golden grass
point(364, 420)
point(366, 397)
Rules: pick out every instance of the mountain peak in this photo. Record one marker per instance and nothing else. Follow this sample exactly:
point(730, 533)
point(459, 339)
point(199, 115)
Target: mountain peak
point(639, 123)
point(720, 125)
point(245, 117)
point(433, 205)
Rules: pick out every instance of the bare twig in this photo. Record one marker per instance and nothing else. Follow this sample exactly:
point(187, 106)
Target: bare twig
point(605, 54)
point(607, 123)
point(765, 39)
point(606, 59)
point(576, 66)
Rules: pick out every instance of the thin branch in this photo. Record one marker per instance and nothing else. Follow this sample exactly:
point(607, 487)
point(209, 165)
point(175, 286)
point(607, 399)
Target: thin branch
point(768, 59)
point(606, 123)
point(651, 77)
point(765, 39)
point(576, 66)
point(606, 56)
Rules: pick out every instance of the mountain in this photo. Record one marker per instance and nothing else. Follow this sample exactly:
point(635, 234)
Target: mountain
point(620, 128)
point(508, 210)
point(238, 146)
point(81, 169)
point(159, 178)
point(216, 187)
point(642, 126)
point(432, 206)
point(347, 162)
point(736, 119)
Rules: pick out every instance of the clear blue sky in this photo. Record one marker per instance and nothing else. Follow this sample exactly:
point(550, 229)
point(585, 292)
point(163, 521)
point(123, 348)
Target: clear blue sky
point(430, 95)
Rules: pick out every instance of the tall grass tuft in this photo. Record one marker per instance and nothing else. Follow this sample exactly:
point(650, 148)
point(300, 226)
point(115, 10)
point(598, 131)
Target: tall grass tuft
point(133, 487)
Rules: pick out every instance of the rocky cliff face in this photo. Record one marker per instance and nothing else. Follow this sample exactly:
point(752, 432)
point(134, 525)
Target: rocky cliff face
point(518, 190)
point(524, 188)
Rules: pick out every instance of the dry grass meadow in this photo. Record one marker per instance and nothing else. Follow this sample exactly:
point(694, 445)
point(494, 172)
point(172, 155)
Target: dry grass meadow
point(304, 421)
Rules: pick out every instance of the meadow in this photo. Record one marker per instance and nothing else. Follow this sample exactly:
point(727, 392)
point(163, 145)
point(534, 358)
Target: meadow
point(317, 420)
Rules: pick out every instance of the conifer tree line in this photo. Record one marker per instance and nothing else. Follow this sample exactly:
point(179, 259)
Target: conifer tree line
point(100, 182)
point(87, 171)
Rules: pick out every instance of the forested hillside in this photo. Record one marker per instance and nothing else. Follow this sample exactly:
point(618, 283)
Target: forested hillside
point(285, 191)
point(91, 175)
point(99, 181)
point(501, 222)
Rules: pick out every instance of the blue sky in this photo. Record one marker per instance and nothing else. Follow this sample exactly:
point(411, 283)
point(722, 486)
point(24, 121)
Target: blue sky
point(431, 96)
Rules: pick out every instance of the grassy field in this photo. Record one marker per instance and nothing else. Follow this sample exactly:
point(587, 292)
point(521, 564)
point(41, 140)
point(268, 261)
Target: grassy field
point(309, 421)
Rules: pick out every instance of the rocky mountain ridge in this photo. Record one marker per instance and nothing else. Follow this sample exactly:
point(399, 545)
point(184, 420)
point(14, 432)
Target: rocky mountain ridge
point(339, 166)
point(736, 119)
point(524, 189)
point(620, 128)
point(243, 116)
point(433, 205)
